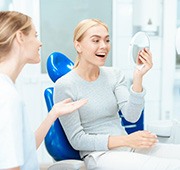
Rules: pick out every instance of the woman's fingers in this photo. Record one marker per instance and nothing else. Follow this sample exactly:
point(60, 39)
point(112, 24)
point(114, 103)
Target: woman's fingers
point(143, 139)
point(77, 104)
point(67, 100)
point(148, 139)
point(145, 56)
point(67, 106)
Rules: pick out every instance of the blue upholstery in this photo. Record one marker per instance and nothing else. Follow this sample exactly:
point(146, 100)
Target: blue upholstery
point(56, 142)
point(58, 65)
point(132, 127)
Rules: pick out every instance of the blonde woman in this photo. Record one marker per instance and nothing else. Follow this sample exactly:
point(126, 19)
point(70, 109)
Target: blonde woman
point(18, 46)
point(95, 128)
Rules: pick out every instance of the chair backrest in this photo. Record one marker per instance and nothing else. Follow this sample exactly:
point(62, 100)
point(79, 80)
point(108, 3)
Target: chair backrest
point(56, 141)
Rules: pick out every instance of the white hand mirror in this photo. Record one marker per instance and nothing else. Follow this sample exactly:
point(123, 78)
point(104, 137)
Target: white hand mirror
point(138, 42)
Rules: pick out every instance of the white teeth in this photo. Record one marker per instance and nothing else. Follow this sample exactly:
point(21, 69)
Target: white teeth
point(101, 54)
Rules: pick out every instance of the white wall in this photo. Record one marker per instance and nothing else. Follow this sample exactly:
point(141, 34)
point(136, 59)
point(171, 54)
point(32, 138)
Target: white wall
point(168, 55)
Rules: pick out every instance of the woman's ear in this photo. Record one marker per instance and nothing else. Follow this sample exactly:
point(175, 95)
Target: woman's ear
point(77, 46)
point(19, 37)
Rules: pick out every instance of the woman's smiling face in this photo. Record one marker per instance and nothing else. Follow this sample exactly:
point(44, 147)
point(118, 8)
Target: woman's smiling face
point(95, 45)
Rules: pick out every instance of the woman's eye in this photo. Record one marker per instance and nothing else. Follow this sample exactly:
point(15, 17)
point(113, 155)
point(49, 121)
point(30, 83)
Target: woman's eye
point(96, 41)
point(107, 41)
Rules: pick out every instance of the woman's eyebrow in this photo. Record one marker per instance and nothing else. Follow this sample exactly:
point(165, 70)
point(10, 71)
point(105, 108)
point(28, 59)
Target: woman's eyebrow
point(107, 36)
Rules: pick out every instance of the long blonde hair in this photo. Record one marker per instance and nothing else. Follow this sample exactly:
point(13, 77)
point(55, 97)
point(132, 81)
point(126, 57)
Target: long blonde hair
point(10, 23)
point(80, 30)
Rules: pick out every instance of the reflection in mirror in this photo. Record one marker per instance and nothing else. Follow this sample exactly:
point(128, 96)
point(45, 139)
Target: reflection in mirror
point(138, 42)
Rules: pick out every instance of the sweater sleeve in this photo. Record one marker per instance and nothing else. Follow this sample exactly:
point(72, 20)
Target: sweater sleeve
point(130, 103)
point(71, 123)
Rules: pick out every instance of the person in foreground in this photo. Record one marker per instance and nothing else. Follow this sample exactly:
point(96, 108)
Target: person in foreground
point(18, 46)
point(95, 129)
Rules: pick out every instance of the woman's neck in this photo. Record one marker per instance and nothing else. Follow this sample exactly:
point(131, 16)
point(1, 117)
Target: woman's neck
point(11, 69)
point(90, 73)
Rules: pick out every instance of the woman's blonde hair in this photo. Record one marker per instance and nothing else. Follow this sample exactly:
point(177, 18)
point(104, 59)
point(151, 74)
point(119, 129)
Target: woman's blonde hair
point(10, 23)
point(80, 30)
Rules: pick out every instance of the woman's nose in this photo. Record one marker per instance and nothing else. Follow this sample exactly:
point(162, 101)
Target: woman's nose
point(103, 44)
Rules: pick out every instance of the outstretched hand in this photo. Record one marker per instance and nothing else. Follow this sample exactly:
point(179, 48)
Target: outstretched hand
point(67, 106)
point(60, 108)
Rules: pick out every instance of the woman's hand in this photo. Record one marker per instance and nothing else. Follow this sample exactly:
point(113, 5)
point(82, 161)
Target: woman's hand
point(141, 139)
point(145, 59)
point(60, 108)
point(66, 106)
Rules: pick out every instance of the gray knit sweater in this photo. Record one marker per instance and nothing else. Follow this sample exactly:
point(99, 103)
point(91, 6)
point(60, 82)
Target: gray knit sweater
point(88, 128)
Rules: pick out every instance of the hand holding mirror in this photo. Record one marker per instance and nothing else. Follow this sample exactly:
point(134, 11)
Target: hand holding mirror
point(138, 42)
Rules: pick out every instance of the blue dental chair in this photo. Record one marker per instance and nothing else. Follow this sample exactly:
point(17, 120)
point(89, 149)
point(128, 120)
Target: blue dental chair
point(56, 143)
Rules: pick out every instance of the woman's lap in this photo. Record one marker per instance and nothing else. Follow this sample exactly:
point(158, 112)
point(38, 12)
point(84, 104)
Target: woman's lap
point(156, 158)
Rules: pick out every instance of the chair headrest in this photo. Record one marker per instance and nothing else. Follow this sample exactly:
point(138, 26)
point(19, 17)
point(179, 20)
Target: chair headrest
point(58, 65)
